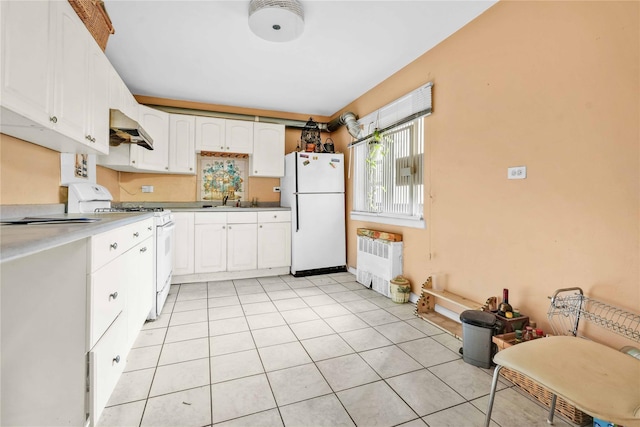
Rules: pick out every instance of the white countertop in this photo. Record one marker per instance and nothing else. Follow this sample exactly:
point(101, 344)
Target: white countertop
point(228, 209)
point(21, 240)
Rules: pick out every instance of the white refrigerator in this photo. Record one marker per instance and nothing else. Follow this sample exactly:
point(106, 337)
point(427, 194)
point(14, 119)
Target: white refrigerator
point(313, 187)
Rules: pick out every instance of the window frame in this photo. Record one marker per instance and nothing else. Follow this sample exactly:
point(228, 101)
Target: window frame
point(360, 181)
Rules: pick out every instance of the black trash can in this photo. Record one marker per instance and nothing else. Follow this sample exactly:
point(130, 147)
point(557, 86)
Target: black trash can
point(477, 329)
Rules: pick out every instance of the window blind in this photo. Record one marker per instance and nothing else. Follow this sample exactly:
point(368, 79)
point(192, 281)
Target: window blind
point(417, 103)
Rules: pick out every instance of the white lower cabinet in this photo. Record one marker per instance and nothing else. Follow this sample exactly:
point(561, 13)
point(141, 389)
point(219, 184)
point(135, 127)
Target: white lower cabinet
point(274, 239)
point(183, 246)
point(107, 360)
point(69, 316)
point(121, 283)
point(210, 242)
point(222, 245)
point(242, 243)
point(43, 368)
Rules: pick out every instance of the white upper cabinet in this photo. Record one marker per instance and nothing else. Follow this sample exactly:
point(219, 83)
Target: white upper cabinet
point(71, 75)
point(156, 123)
point(268, 150)
point(27, 59)
point(210, 134)
point(97, 124)
point(238, 136)
point(222, 135)
point(47, 77)
point(120, 98)
point(173, 142)
point(182, 144)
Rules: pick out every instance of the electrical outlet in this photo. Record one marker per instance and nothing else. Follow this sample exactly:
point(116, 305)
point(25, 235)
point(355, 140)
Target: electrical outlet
point(147, 188)
point(276, 189)
point(517, 172)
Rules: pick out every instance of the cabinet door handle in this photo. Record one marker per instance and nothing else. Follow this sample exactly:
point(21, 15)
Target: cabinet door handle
point(136, 234)
point(117, 359)
point(275, 216)
point(87, 137)
point(113, 296)
point(229, 227)
point(260, 226)
point(142, 250)
point(53, 119)
point(149, 228)
point(114, 245)
point(255, 171)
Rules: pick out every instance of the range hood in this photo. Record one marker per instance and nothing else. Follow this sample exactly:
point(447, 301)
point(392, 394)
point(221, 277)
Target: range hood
point(125, 130)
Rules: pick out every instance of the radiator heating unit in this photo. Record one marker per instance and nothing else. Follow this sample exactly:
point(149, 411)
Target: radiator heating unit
point(378, 262)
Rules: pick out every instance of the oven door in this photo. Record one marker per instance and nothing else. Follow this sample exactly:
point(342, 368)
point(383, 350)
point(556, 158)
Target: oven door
point(164, 266)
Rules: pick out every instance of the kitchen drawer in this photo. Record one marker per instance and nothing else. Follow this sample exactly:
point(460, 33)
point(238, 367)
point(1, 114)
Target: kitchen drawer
point(106, 297)
point(210, 218)
point(108, 245)
point(274, 216)
point(107, 361)
point(242, 217)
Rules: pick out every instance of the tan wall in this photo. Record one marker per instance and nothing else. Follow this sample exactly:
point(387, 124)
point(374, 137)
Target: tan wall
point(29, 173)
point(553, 86)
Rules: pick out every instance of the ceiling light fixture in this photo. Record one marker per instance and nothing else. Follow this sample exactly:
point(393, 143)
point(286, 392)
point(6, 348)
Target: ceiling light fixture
point(276, 20)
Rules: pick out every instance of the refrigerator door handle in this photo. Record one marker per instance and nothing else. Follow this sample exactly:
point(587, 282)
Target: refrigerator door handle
point(297, 214)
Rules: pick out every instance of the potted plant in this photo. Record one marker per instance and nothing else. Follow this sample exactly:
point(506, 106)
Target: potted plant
point(378, 149)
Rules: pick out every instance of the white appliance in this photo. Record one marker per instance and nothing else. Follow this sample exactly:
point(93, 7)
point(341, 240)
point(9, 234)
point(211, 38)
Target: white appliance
point(85, 197)
point(94, 198)
point(313, 187)
point(165, 236)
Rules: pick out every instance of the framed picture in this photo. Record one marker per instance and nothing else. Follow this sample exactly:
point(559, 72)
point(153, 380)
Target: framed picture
point(77, 168)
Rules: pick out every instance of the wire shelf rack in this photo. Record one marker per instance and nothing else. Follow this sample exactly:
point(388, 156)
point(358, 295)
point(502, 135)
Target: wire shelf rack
point(569, 305)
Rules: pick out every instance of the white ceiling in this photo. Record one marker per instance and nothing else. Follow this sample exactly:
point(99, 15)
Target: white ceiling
point(204, 51)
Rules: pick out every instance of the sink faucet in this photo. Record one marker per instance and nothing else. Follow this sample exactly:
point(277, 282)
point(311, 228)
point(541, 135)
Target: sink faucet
point(224, 200)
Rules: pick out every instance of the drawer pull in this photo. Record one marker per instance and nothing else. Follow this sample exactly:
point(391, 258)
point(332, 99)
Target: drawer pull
point(275, 216)
point(260, 225)
point(136, 234)
point(143, 249)
point(114, 245)
point(113, 295)
point(53, 119)
point(117, 359)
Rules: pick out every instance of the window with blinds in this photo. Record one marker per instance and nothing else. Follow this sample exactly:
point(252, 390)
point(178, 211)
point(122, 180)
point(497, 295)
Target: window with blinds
point(388, 174)
point(388, 178)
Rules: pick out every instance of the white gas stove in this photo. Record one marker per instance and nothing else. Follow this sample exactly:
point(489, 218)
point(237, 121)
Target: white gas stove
point(94, 198)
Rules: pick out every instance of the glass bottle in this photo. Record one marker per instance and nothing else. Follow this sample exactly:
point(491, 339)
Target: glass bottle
point(528, 334)
point(505, 306)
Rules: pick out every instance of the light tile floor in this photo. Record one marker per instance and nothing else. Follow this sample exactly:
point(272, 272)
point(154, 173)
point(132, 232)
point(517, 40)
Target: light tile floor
point(316, 351)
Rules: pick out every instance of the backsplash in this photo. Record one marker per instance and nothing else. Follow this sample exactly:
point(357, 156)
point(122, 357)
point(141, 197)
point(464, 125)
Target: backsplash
point(222, 176)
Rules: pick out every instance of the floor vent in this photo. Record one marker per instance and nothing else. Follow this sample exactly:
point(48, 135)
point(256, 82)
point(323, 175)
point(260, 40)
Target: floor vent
point(378, 262)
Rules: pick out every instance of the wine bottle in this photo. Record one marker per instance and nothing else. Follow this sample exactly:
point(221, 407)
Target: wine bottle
point(505, 307)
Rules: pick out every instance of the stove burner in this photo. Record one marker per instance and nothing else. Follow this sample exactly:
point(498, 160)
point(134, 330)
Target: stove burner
point(129, 209)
